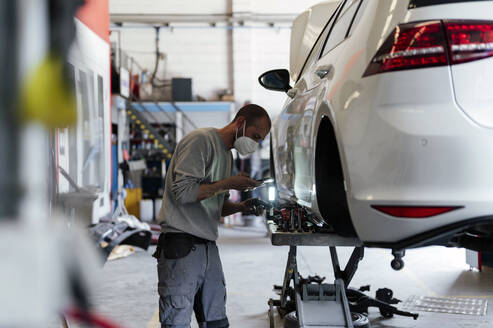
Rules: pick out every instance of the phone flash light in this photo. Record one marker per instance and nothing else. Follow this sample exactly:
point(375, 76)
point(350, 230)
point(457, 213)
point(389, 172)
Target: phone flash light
point(272, 194)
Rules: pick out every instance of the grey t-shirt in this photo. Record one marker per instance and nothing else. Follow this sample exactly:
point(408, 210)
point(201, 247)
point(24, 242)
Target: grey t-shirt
point(200, 158)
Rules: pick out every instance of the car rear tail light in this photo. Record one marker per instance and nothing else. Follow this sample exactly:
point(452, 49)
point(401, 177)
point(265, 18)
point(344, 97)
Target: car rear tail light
point(433, 43)
point(411, 46)
point(416, 212)
point(469, 40)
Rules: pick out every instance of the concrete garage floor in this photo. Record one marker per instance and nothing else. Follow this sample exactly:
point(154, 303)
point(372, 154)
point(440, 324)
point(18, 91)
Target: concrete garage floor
point(127, 289)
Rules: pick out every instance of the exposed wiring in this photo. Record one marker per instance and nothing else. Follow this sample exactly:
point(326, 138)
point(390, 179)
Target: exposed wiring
point(156, 82)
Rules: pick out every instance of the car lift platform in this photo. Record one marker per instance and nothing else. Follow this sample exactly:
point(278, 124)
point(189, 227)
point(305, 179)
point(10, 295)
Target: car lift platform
point(321, 305)
point(309, 238)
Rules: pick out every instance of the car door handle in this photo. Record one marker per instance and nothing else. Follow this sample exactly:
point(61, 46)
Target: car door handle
point(323, 71)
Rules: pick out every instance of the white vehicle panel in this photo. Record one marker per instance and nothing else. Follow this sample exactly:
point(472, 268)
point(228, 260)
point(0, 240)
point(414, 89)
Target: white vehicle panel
point(379, 227)
point(473, 80)
point(299, 45)
point(304, 33)
point(462, 10)
point(472, 84)
point(413, 137)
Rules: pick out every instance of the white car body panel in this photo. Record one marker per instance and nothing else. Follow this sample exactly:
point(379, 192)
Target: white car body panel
point(472, 81)
point(416, 137)
point(472, 84)
point(305, 31)
point(300, 44)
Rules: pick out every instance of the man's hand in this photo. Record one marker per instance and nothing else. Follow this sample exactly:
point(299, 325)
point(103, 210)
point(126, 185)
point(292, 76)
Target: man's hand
point(249, 207)
point(241, 182)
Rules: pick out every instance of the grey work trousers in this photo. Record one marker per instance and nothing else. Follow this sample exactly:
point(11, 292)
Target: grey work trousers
point(194, 283)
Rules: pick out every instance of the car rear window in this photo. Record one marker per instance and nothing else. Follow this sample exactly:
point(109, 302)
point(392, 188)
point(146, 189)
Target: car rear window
point(423, 3)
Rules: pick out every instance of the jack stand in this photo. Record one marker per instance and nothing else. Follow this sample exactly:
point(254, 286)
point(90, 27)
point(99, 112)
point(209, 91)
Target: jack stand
point(318, 304)
point(325, 305)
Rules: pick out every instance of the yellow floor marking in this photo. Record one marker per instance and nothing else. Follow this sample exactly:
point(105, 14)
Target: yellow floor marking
point(154, 322)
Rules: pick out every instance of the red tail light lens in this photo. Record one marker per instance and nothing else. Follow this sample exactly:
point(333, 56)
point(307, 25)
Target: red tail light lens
point(411, 46)
point(469, 40)
point(433, 43)
point(416, 212)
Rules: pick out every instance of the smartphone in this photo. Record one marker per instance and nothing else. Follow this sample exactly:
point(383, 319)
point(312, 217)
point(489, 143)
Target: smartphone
point(263, 182)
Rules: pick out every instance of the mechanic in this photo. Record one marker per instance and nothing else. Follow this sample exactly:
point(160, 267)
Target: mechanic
point(190, 274)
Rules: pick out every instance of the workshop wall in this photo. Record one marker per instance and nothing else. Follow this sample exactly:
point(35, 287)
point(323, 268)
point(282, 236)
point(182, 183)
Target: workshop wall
point(216, 58)
point(209, 6)
point(272, 6)
point(192, 50)
point(170, 6)
point(268, 48)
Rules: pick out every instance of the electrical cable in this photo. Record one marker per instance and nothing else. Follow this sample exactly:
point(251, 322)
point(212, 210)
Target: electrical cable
point(160, 83)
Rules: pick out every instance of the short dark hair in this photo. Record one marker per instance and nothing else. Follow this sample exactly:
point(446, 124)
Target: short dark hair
point(252, 113)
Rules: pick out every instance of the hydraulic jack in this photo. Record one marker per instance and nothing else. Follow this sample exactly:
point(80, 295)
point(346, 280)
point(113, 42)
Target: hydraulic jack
point(310, 303)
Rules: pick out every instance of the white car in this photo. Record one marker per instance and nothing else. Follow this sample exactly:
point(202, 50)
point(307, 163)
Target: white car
point(387, 133)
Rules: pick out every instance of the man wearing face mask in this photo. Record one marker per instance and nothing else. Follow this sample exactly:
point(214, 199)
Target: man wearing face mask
point(190, 275)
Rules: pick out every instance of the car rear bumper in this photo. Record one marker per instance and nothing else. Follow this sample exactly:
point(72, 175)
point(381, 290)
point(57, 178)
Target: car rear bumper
point(438, 236)
point(417, 148)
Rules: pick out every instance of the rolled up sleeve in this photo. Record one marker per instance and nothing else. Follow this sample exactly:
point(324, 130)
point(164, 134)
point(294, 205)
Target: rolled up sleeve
point(190, 168)
point(185, 189)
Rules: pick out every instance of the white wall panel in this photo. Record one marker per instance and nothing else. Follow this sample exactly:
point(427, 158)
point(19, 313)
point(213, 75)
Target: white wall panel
point(271, 51)
point(209, 6)
point(200, 53)
point(255, 51)
point(281, 6)
point(84, 150)
point(243, 74)
point(169, 6)
point(216, 58)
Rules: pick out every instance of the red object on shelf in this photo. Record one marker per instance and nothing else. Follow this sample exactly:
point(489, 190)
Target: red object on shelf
point(155, 238)
point(156, 231)
point(155, 227)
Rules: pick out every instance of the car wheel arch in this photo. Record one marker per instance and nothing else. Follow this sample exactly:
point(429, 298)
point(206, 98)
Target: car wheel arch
point(329, 177)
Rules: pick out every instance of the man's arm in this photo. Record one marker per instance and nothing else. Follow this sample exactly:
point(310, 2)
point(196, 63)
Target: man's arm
point(231, 208)
point(239, 182)
point(209, 190)
point(246, 207)
point(190, 164)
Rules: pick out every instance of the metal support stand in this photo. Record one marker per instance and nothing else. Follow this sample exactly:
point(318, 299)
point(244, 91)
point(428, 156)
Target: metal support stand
point(325, 305)
point(319, 305)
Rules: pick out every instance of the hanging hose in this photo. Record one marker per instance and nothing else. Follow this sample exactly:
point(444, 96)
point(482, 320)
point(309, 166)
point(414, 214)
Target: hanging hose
point(155, 81)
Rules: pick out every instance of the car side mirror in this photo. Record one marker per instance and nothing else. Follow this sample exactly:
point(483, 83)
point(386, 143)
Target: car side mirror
point(277, 80)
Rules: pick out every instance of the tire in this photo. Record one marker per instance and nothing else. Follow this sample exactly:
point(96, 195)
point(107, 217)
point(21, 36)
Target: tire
point(291, 320)
point(360, 320)
point(271, 163)
point(329, 182)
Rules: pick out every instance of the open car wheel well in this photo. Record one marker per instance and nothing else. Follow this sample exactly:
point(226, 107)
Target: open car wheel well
point(271, 163)
point(329, 181)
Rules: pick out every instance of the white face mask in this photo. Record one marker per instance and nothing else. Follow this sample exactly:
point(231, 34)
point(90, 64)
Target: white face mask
point(243, 144)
